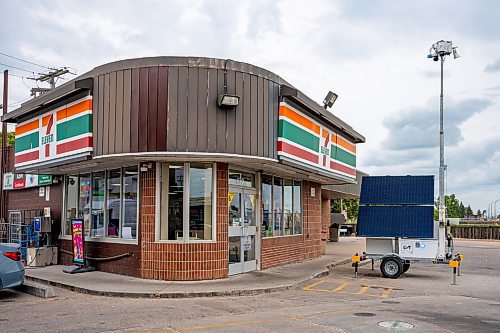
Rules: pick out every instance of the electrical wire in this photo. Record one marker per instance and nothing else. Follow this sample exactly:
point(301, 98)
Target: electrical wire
point(20, 69)
point(26, 61)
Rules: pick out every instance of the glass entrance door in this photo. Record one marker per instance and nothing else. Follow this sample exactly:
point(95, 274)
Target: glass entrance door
point(242, 230)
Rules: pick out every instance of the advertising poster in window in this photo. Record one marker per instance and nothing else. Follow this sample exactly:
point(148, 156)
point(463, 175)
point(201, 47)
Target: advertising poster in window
point(77, 240)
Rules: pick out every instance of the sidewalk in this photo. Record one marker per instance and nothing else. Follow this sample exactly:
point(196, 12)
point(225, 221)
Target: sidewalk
point(257, 282)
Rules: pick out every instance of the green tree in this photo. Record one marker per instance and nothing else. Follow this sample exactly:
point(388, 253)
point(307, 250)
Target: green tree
point(11, 137)
point(478, 213)
point(454, 208)
point(351, 206)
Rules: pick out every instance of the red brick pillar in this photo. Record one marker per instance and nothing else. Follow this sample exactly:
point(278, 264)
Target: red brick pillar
point(325, 219)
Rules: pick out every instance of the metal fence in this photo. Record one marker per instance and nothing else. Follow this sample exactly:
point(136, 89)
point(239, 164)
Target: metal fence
point(19, 228)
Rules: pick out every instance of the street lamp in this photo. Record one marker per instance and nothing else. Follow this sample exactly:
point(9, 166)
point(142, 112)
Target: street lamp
point(440, 50)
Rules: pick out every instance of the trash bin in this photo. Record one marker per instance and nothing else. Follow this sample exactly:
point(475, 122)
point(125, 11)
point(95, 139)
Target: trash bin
point(334, 232)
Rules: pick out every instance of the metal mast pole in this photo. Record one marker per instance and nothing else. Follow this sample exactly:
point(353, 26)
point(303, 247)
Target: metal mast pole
point(441, 150)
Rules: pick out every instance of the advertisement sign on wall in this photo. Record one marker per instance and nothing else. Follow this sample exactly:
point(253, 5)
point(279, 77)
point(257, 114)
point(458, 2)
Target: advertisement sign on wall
point(304, 140)
point(56, 135)
point(77, 241)
point(21, 181)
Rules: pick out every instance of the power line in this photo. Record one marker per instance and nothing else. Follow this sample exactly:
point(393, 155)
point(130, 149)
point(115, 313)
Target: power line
point(29, 62)
point(20, 69)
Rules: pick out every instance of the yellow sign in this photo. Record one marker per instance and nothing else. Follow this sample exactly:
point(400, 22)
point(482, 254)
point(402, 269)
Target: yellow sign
point(461, 257)
point(230, 198)
point(356, 259)
point(454, 263)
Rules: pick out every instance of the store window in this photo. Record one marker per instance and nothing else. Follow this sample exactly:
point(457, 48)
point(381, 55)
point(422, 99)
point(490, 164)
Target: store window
point(186, 205)
point(284, 196)
point(106, 201)
point(71, 202)
point(267, 200)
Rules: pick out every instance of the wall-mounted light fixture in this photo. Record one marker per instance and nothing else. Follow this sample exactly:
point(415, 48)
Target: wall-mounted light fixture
point(330, 99)
point(226, 100)
point(145, 167)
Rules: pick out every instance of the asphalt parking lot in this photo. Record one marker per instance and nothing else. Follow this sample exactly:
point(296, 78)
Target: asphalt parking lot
point(422, 300)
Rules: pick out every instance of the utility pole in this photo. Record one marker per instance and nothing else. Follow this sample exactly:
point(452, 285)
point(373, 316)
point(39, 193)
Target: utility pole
point(50, 76)
point(3, 164)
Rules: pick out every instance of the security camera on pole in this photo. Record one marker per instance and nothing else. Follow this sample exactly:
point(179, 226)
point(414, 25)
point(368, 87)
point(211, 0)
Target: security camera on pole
point(438, 51)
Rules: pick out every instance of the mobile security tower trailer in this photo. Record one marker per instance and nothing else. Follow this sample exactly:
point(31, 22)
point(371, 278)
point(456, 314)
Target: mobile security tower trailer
point(396, 216)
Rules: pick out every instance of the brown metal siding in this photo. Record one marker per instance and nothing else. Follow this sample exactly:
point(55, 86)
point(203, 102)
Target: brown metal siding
point(161, 108)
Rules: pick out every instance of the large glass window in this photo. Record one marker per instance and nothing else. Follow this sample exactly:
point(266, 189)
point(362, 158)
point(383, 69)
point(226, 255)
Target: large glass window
point(284, 196)
point(84, 198)
point(278, 206)
point(71, 202)
point(200, 201)
point(113, 206)
point(297, 208)
point(193, 219)
point(267, 199)
point(106, 201)
point(129, 195)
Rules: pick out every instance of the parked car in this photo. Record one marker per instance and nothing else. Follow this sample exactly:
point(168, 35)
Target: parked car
point(11, 267)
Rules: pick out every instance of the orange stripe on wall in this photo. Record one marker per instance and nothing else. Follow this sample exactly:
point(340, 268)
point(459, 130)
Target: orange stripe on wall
point(45, 120)
point(27, 127)
point(290, 114)
point(75, 109)
point(347, 145)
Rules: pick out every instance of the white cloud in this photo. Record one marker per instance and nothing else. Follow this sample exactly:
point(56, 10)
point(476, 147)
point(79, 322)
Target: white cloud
point(373, 54)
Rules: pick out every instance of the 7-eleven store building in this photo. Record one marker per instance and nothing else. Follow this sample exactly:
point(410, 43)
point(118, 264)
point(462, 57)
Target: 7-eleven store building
point(171, 183)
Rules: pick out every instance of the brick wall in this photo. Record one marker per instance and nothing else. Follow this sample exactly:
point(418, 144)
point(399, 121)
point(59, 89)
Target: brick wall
point(278, 251)
point(174, 261)
point(125, 266)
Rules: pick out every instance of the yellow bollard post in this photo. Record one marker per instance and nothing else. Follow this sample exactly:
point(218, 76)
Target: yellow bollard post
point(355, 260)
point(455, 264)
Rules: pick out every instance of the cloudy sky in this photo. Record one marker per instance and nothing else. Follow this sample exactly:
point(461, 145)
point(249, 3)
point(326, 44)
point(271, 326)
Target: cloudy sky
point(371, 53)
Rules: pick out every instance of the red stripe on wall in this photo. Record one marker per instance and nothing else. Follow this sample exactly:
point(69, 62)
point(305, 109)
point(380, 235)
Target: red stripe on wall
point(288, 148)
point(342, 168)
point(74, 145)
point(26, 157)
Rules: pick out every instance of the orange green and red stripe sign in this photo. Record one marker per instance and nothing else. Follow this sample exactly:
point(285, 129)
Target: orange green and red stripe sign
point(305, 140)
point(57, 134)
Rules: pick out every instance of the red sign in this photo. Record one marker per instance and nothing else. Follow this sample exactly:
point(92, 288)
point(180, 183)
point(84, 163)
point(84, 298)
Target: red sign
point(19, 181)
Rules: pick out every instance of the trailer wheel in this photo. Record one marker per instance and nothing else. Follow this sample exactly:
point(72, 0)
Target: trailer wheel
point(406, 267)
point(391, 267)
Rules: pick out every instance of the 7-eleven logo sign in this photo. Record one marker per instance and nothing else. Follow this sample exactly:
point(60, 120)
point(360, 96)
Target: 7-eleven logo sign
point(47, 137)
point(325, 148)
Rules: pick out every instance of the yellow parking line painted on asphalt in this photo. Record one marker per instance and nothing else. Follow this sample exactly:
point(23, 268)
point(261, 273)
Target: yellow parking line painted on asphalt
point(339, 288)
point(386, 292)
point(311, 286)
point(363, 290)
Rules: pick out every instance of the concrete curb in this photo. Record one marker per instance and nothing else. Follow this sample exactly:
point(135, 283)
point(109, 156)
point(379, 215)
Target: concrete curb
point(37, 290)
point(219, 293)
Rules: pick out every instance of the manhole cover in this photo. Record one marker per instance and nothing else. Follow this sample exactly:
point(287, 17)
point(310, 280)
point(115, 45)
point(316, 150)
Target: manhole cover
point(400, 325)
point(391, 302)
point(363, 314)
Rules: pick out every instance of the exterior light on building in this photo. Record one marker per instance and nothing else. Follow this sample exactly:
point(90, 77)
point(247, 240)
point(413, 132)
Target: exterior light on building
point(330, 99)
point(227, 101)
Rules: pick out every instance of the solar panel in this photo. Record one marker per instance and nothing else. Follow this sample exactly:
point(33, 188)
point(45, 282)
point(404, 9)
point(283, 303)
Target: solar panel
point(397, 190)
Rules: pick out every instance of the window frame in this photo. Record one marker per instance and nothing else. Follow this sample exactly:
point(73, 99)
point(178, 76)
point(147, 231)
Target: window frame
point(105, 239)
point(185, 205)
point(294, 181)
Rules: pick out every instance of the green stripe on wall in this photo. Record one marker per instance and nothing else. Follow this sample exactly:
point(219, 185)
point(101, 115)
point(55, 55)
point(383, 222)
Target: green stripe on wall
point(343, 156)
point(74, 127)
point(26, 142)
point(298, 135)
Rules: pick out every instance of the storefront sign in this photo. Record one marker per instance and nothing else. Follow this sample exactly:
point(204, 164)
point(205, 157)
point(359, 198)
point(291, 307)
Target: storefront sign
point(247, 243)
point(56, 135)
point(302, 139)
point(77, 241)
point(21, 181)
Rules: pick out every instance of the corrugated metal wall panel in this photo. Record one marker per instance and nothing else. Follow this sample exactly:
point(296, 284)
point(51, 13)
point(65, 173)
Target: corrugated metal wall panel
point(404, 190)
point(161, 108)
point(396, 221)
